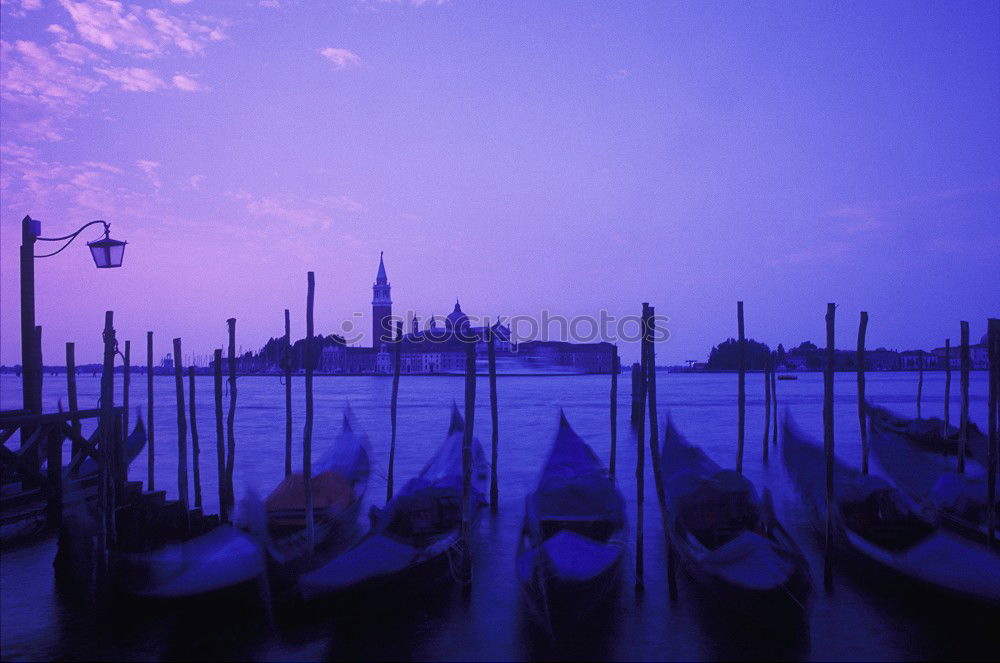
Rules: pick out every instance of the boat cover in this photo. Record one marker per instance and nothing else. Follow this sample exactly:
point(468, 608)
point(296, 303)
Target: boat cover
point(220, 558)
point(375, 556)
point(577, 558)
point(330, 490)
point(574, 484)
point(350, 453)
point(444, 469)
point(750, 560)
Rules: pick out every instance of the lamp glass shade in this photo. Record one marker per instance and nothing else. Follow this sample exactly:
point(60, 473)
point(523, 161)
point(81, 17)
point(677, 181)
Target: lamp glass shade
point(107, 252)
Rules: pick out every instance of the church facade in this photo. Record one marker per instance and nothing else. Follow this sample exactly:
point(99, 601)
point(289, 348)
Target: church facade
point(440, 349)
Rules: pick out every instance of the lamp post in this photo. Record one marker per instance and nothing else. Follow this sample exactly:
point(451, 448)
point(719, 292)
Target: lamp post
point(106, 252)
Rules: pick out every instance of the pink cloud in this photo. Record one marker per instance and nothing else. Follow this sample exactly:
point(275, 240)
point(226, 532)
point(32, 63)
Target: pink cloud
point(134, 79)
point(341, 57)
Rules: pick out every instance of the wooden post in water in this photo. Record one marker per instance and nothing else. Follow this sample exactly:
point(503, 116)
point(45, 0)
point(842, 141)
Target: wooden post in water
point(126, 384)
point(640, 464)
point(774, 399)
point(220, 437)
point(182, 474)
point(920, 380)
point(287, 361)
point(828, 446)
point(195, 449)
point(741, 389)
point(470, 413)
point(615, 370)
point(637, 408)
point(963, 427)
point(307, 433)
point(74, 404)
point(947, 385)
point(495, 417)
point(150, 456)
point(862, 404)
point(654, 424)
point(393, 402)
point(767, 406)
point(993, 348)
point(105, 461)
point(231, 418)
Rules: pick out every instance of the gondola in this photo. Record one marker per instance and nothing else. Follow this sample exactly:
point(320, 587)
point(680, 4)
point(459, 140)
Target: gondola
point(572, 547)
point(916, 465)
point(196, 555)
point(339, 481)
point(416, 539)
point(726, 537)
point(877, 524)
point(930, 435)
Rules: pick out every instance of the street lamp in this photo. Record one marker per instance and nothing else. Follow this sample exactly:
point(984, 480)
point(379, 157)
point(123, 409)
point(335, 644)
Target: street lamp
point(107, 253)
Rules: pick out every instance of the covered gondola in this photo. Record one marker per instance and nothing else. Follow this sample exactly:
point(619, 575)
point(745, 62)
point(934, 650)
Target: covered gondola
point(416, 538)
point(726, 537)
point(877, 524)
point(572, 547)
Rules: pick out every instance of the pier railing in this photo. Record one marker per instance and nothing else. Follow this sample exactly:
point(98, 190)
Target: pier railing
point(43, 489)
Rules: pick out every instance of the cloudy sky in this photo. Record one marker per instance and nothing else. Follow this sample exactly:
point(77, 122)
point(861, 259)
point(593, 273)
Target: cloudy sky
point(522, 156)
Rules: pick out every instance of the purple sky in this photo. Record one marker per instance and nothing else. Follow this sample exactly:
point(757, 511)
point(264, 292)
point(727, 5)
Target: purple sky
point(521, 156)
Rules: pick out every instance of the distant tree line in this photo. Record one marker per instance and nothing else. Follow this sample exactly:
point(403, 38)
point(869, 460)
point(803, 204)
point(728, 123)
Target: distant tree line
point(726, 355)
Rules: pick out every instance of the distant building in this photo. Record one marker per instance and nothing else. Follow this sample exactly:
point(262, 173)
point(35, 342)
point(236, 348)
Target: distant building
point(441, 349)
point(978, 355)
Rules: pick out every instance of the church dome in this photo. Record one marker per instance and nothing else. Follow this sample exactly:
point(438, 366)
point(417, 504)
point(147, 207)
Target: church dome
point(457, 319)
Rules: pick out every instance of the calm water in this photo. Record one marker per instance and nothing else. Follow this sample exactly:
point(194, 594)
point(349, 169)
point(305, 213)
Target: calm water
point(864, 618)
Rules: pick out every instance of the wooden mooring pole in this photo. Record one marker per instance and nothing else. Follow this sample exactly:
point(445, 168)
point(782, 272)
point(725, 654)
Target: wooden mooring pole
point(828, 446)
point(774, 399)
point(287, 361)
point(920, 380)
point(741, 389)
point(195, 449)
point(963, 427)
point(470, 413)
point(615, 370)
point(640, 464)
point(947, 385)
point(767, 406)
point(182, 473)
point(307, 433)
point(150, 455)
point(494, 417)
point(220, 436)
point(393, 404)
point(231, 418)
point(654, 424)
point(993, 457)
point(105, 468)
point(74, 404)
point(126, 384)
point(862, 403)
point(638, 409)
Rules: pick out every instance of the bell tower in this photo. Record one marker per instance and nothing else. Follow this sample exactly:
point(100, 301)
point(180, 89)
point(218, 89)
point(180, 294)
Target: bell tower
point(382, 331)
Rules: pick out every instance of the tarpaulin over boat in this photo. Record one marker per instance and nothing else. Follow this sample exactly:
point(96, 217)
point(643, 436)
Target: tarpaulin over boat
point(329, 490)
point(350, 453)
point(223, 557)
point(444, 469)
point(375, 556)
point(750, 560)
point(576, 558)
point(574, 484)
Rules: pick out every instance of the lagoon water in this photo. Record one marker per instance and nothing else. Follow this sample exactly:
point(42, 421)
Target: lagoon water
point(865, 617)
